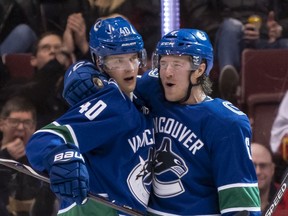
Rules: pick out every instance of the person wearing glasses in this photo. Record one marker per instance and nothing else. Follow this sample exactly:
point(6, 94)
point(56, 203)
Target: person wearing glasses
point(50, 60)
point(20, 193)
point(263, 160)
point(17, 124)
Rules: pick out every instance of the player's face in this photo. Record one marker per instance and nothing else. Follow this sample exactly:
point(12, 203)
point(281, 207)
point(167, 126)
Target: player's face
point(124, 69)
point(175, 76)
point(263, 165)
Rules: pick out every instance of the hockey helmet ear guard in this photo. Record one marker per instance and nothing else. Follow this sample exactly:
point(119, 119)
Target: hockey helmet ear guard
point(142, 55)
point(82, 80)
point(115, 36)
point(192, 42)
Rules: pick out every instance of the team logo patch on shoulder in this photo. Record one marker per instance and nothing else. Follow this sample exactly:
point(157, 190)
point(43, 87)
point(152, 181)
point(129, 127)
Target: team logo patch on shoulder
point(98, 82)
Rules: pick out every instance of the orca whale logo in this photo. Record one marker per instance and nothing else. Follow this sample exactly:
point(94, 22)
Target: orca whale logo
point(140, 178)
point(167, 161)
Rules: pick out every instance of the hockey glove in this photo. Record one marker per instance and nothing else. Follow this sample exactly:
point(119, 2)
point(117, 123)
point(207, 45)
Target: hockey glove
point(69, 178)
point(82, 80)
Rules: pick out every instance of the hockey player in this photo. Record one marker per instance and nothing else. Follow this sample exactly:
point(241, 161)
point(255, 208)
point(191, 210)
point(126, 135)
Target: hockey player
point(203, 158)
point(102, 144)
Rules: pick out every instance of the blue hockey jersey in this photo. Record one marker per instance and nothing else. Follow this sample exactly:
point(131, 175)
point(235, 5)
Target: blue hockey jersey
point(203, 160)
point(115, 139)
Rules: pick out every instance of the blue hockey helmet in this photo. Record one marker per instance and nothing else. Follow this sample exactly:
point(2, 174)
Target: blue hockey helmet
point(114, 36)
point(81, 80)
point(192, 42)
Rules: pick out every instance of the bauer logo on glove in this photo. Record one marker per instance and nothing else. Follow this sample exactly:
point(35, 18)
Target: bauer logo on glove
point(68, 155)
point(69, 178)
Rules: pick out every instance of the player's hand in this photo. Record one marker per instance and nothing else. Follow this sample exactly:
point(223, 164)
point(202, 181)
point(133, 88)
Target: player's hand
point(68, 174)
point(82, 80)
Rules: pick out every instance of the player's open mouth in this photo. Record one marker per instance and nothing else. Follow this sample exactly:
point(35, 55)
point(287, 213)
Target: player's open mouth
point(129, 78)
point(170, 84)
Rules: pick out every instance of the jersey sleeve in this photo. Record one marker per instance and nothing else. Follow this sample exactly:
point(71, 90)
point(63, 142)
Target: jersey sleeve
point(234, 172)
point(40, 145)
point(93, 124)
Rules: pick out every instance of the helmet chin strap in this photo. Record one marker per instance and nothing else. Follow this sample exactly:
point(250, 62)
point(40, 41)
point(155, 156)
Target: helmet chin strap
point(189, 89)
point(186, 97)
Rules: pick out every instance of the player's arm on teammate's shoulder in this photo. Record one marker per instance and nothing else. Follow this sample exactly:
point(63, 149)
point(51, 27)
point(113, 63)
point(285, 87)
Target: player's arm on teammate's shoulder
point(81, 80)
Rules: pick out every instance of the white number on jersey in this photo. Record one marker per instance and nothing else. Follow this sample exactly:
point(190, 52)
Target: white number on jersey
point(92, 112)
point(231, 107)
point(247, 142)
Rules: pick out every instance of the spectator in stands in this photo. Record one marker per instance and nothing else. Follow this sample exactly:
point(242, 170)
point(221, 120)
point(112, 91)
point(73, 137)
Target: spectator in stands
point(280, 128)
point(50, 60)
point(17, 124)
point(75, 36)
point(235, 34)
point(265, 167)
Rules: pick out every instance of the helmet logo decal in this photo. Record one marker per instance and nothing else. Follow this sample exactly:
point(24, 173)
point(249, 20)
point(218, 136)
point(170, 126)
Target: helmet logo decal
point(110, 29)
point(196, 61)
point(125, 31)
point(201, 35)
point(167, 44)
point(97, 25)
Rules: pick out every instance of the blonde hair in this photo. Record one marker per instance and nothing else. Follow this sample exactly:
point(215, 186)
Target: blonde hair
point(113, 15)
point(106, 5)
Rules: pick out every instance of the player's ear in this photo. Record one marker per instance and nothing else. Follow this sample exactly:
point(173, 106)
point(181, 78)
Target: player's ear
point(201, 69)
point(198, 73)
